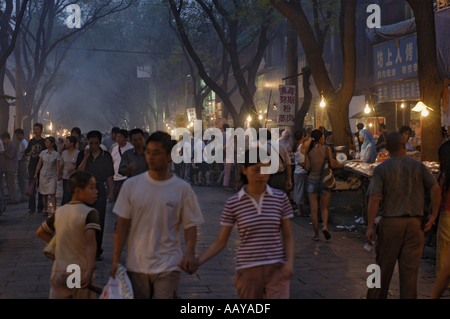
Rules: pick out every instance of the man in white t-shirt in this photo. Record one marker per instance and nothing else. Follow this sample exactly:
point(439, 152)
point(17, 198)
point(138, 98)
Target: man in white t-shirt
point(116, 152)
point(156, 204)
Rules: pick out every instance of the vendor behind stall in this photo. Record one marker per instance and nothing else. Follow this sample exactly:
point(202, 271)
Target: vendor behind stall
point(381, 143)
point(406, 132)
point(368, 150)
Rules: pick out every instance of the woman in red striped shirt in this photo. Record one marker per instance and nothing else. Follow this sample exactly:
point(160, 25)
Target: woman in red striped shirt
point(265, 258)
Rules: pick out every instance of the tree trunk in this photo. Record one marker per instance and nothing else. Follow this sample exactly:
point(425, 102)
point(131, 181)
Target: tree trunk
point(339, 118)
point(337, 101)
point(292, 67)
point(431, 84)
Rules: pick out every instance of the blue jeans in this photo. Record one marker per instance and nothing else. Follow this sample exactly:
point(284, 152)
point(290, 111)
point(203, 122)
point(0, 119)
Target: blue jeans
point(314, 187)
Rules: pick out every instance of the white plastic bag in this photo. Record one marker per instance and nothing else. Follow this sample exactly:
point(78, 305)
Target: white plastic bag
point(118, 288)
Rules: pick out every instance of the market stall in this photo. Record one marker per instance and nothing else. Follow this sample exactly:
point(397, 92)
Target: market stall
point(365, 172)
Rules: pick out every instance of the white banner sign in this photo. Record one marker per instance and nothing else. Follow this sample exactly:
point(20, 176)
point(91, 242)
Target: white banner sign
point(286, 106)
point(191, 115)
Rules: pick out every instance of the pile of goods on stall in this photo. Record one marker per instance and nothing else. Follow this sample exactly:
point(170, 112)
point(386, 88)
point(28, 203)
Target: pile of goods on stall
point(367, 169)
point(434, 167)
point(362, 168)
point(382, 157)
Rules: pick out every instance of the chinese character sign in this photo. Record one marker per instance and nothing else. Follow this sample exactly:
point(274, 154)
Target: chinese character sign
point(286, 106)
point(182, 121)
point(191, 115)
point(396, 60)
point(398, 91)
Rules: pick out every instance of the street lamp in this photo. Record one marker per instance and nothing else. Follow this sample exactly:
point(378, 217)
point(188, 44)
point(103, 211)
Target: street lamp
point(421, 107)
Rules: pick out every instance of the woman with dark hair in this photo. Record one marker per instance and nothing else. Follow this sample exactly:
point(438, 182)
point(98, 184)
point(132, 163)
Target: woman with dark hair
point(316, 156)
point(67, 166)
point(406, 132)
point(265, 259)
point(47, 168)
point(82, 142)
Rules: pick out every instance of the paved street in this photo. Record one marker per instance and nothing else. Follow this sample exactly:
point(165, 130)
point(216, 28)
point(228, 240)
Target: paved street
point(326, 269)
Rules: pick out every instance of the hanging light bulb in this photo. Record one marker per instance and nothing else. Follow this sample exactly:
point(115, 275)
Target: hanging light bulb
point(249, 118)
point(425, 113)
point(403, 105)
point(260, 117)
point(322, 103)
point(367, 109)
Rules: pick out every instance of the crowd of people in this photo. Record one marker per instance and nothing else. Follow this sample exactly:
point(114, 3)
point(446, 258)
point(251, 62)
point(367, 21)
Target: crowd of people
point(135, 170)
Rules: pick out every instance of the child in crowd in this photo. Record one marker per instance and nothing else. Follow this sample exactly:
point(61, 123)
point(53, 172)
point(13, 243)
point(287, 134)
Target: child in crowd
point(265, 259)
point(47, 167)
point(74, 225)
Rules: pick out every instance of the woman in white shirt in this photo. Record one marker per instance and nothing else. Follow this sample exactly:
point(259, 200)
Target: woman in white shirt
point(48, 163)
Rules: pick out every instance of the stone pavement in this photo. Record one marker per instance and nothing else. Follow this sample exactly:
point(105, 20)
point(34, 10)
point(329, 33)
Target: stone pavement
point(334, 269)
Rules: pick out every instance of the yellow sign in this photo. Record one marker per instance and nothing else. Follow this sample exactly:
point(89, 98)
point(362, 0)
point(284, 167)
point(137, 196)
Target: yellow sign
point(182, 121)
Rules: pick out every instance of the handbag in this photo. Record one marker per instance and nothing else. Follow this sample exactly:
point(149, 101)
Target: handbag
point(327, 179)
point(49, 250)
point(32, 188)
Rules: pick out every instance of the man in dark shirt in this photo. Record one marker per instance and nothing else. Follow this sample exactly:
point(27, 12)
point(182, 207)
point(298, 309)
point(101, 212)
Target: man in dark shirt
point(133, 161)
point(100, 164)
point(35, 147)
point(400, 185)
